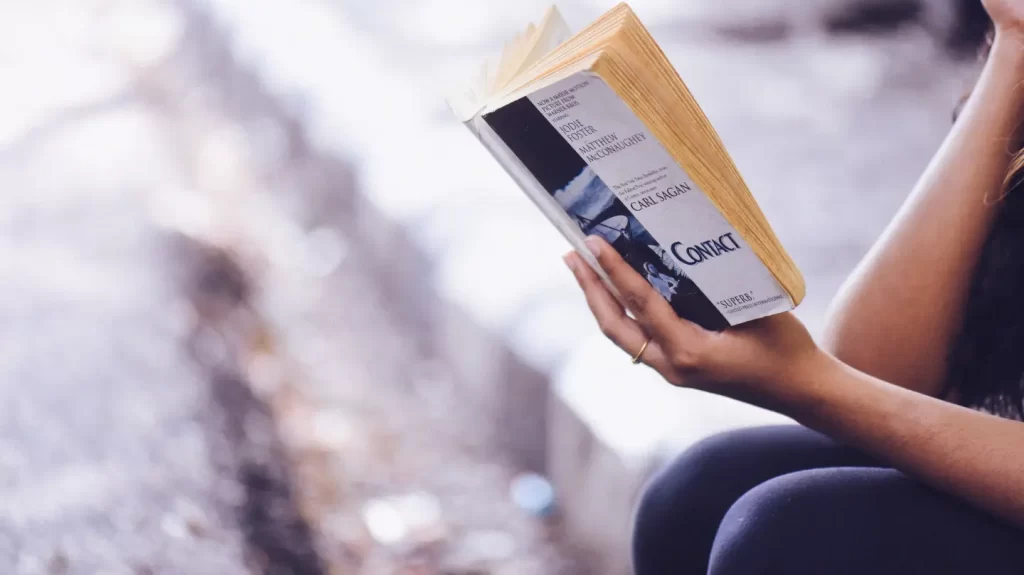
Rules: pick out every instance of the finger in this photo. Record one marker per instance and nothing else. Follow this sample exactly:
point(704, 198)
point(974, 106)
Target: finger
point(611, 316)
point(651, 310)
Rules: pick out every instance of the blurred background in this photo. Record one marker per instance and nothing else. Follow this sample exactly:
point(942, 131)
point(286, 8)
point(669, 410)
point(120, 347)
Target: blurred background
point(267, 308)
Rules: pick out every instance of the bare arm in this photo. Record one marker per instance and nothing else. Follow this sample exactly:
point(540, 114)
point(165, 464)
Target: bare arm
point(975, 456)
point(897, 314)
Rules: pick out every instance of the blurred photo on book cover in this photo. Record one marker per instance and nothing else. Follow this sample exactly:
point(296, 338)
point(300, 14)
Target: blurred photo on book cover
point(596, 210)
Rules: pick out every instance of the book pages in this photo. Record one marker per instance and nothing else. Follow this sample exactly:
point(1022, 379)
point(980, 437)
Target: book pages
point(611, 177)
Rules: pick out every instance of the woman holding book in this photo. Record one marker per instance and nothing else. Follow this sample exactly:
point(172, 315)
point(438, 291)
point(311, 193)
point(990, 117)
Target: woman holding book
point(910, 458)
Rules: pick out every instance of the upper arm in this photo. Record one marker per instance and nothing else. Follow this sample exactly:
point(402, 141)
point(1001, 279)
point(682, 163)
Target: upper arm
point(900, 311)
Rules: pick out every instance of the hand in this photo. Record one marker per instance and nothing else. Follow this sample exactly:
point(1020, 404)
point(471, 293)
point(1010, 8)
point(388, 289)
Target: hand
point(1007, 15)
point(751, 362)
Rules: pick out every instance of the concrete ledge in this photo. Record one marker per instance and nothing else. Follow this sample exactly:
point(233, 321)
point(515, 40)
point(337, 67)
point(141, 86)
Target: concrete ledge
point(596, 489)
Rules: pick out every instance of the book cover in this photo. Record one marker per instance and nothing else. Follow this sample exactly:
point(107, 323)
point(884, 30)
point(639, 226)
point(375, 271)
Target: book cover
point(593, 167)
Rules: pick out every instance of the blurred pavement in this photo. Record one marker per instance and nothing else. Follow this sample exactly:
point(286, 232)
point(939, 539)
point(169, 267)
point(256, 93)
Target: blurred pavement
point(107, 452)
point(180, 290)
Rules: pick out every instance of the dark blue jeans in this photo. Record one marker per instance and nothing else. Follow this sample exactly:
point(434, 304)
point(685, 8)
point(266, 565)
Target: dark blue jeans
point(791, 501)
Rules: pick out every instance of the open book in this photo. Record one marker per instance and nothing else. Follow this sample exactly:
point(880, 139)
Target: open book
point(601, 133)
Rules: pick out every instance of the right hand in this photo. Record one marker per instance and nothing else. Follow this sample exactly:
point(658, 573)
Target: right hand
point(1007, 15)
point(761, 362)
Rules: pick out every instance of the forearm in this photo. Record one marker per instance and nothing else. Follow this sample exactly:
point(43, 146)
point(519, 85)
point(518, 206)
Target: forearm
point(969, 454)
point(896, 316)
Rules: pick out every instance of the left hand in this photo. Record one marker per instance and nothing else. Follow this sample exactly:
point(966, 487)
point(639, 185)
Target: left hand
point(745, 362)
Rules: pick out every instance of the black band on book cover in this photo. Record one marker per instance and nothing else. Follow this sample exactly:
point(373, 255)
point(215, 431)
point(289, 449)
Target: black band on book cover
point(563, 172)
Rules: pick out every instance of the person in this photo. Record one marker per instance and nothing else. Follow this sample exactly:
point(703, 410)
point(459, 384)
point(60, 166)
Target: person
point(663, 284)
point(908, 456)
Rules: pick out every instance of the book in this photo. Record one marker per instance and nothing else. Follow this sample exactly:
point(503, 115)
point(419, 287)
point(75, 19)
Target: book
point(600, 131)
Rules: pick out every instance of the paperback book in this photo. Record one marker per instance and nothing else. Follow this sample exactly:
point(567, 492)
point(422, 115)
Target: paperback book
point(602, 134)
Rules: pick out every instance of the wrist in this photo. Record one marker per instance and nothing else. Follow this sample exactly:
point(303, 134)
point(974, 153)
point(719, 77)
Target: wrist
point(806, 382)
point(791, 389)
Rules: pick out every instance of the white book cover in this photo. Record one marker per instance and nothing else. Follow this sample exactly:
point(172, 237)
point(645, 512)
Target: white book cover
point(593, 167)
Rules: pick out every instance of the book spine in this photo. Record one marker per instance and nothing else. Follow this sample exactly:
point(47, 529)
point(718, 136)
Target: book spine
point(583, 148)
point(533, 189)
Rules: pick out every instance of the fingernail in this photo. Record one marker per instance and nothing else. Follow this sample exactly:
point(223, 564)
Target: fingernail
point(570, 261)
point(594, 245)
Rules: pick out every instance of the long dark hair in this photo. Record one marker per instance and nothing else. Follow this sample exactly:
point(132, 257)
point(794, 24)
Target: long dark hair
point(986, 361)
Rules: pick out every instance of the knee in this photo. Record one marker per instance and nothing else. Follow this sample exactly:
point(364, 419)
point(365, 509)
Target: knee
point(688, 483)
point(683, 503)
point(767, 526)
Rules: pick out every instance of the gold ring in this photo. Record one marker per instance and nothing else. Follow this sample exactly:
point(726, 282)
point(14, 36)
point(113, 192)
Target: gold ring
point(639, 354)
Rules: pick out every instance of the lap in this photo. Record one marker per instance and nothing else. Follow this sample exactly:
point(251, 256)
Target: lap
point(683, 505)
point(786, 495)
point(743, 458)
point(860, 520)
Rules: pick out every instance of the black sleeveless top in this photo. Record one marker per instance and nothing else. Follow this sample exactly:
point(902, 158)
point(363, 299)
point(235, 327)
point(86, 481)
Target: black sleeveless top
point(986, 361)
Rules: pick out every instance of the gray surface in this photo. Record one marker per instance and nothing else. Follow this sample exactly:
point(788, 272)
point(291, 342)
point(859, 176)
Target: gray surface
point(107, 462)
point(113, 454)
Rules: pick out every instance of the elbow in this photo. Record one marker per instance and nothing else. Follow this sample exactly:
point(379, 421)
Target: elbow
point(882, 354)
point(853, 336)
point(847, 348)
point(845, 331)
point(840, 338)
point(859, 344)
